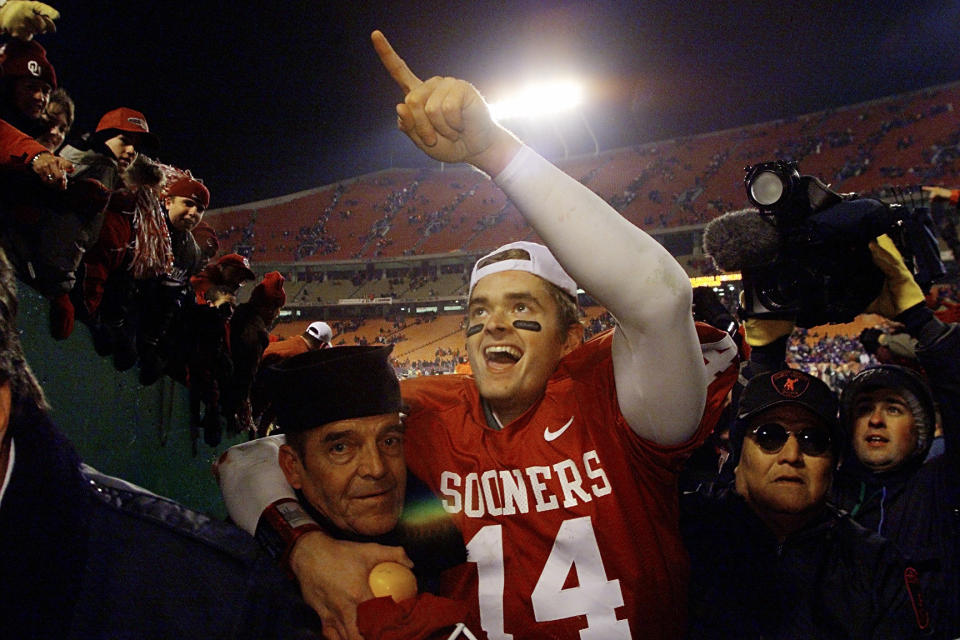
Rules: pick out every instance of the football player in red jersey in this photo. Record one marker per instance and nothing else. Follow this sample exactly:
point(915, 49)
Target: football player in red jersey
point(557, 460)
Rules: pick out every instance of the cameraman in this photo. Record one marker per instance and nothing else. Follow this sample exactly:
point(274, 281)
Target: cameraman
point(888, 416)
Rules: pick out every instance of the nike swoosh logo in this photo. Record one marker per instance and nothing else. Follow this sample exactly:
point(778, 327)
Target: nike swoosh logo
point(550, 436)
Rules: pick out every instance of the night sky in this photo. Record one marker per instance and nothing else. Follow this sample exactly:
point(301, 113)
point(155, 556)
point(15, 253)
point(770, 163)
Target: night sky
point(262, 99)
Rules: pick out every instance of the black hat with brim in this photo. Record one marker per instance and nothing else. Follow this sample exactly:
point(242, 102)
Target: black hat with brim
point(319, 387)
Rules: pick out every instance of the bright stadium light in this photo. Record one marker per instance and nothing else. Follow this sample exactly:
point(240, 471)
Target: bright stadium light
point(538, 100)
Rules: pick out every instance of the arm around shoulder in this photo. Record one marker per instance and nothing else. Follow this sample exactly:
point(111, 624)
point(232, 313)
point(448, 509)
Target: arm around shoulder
point(251, 480)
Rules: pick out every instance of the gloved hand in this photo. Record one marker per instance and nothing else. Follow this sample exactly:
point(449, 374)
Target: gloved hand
point(24, 19)
point(761, 331)
point(900, 291)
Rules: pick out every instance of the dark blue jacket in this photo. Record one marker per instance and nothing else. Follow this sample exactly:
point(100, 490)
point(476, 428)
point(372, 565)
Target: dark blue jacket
point(833, 579)
point(84, 555)
point(918, 505)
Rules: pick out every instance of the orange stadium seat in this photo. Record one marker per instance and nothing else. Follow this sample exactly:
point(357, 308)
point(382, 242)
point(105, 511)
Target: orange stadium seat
point(397, 213)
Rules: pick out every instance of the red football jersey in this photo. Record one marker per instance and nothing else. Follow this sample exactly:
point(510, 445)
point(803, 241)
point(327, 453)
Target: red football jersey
point(569, 518)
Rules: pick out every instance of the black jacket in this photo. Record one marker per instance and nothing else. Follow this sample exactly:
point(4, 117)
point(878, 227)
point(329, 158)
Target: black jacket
point(84, 555)
point(833, 579)
point(918, 505)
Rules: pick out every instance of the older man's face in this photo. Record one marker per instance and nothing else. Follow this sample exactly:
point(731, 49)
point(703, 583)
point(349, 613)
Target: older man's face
point(786, 481)
point(353, 472)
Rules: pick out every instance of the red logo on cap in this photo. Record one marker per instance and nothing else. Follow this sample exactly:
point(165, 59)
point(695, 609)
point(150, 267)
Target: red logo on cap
point(34, 68)
point(789, 384)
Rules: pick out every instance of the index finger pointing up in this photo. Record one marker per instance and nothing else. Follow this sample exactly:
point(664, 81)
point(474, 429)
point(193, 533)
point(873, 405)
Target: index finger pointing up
point(394, 64)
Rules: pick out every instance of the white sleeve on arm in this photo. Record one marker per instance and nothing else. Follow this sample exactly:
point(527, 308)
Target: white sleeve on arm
point(251, 480)
point(658, 365)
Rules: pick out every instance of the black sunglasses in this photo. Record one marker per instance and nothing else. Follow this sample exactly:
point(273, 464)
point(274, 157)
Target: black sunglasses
point(772, 436)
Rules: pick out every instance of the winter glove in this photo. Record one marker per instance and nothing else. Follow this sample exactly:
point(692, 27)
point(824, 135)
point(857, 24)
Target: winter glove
point(24, 19)
point(900, 291)
point(760, 332)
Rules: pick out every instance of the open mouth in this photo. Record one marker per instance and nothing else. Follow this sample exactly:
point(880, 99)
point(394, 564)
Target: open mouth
point(876, 440)
point(502, 355)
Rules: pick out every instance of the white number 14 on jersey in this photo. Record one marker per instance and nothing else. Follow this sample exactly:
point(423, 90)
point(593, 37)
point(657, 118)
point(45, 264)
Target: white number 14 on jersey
point(574, 546)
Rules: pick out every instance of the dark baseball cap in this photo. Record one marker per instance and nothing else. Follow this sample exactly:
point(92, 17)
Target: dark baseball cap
point(789, 386)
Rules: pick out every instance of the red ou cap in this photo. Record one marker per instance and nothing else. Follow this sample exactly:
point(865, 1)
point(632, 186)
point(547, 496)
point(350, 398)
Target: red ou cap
point(26, 59)
point(190, 188)
point(238, 261)
point(130, 121)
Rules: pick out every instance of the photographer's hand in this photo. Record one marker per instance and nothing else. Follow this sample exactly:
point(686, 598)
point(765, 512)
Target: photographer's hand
point(760, 332)
point(24, 19)
point(900, 291)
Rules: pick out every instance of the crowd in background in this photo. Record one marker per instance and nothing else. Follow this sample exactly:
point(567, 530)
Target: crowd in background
point(114, 239)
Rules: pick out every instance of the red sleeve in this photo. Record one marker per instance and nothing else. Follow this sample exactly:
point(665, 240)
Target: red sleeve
point(104, 257)
point(423, 617)
point(721, 357)
point(16, 147)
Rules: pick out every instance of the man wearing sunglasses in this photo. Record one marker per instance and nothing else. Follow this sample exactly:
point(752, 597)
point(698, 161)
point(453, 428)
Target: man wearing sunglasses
point(770, 557)
point(889, 416)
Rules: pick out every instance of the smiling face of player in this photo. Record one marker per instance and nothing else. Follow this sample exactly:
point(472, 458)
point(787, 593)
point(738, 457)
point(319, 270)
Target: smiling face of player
point(511, 365)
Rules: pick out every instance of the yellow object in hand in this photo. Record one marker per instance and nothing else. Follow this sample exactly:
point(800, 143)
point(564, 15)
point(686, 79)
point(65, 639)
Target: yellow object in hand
point(24, 19)
point(760, 332)
point(394, 580)
point(900, 291)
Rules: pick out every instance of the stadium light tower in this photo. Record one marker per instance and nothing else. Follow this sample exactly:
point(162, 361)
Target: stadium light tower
point(538, 100)
point(542, 101)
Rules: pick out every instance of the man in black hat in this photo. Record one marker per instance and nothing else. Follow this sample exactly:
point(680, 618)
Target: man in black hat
point(340, 411)
point(342, 451)
point(770, 558)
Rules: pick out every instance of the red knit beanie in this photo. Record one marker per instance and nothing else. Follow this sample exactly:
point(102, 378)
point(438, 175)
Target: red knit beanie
point(269, 293)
